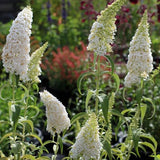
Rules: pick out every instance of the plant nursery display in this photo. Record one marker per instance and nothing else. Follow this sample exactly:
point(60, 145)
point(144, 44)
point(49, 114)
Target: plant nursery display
point(108, 117)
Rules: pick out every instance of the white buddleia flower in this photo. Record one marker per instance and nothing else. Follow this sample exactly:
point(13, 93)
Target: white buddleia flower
point(34, 69)
point(87, 145)
point(57, 117)
point(103, 30)
point(15, 54)
point(140, 56)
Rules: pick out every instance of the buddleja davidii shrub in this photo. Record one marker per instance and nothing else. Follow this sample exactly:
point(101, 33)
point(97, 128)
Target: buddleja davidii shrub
point(24, 71)
point(98, 103)
point(139, 66)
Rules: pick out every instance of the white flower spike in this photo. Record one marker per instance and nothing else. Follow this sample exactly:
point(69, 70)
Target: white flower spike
point(34, 69)
point(87, 143)
point(57, 117)
point(103, 30)
point(15, 54)
point(140, 56)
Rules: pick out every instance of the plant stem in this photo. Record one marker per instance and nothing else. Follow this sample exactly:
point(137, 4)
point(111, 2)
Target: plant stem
point(18, 158)
point(13, 82)
point(13, 85)
point(133, 126)
point(25, 113)
point(55, 148)
point(97, 85)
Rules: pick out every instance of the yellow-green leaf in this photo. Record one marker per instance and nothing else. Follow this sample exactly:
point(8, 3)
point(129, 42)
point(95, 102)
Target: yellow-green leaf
point(6, 136)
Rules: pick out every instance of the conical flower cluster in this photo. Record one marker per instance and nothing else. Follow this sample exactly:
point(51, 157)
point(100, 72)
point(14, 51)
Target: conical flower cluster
point(34, 69)
point(103, 30)
point(140, 57)
point(57, 117)
point(87, 143)
point(15, 54)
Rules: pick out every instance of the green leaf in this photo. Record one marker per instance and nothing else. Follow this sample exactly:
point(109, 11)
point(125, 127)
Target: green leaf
point(10, 110)
point(6, 135)
point(105, 108)
point(151, 138)
point(143, 148)
point(111, 62)
point(28, 157)
point(78, 116)
point(1, 90)
point(150, 146)
point(68, 141)
point(28, 122)
point(124, 92)
point(35, 136)
point(116, 77)
point(43, 158)
point(139, 94)
point(157, 157)
point(143, 108)
point(136, 138)
point(89, 95)
point(117, 113)
point(81, 77)
point(118, 127)
point(25, 89)
point(35, 87)
point(16, 114)
point(128, 110)
point(35, 108)
point(60, 143)
point(107, 147)
point(3, 122)
point(151, 102)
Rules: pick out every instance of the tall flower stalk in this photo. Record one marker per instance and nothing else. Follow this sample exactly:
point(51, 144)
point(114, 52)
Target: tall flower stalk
point(100, 40)
point(101, 37)
point(57, 117)
point(87, 143)
point(34, 69)
point(140, 56)
point(103, 29)
point(15, 54)
point(139, 66)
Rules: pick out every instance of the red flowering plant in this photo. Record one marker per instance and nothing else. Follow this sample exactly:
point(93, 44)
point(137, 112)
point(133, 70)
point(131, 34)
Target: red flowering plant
point(89, 11)
point(65, 64)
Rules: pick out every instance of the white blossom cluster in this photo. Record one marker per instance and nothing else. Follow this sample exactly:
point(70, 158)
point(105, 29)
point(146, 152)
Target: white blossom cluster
point(103, 30)
point(15, 54)
point(87, 143)
point(96, 43)
point(57, 117)
point(34, 69)
point(140, 56)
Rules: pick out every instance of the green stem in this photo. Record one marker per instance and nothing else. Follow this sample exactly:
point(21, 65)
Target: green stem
point(56, 147)
point(133, 126)
point(12, 79)
point(135, 121)
point(97, 85)
point(13, 85)
point(130, 150)
point(25, 113)
point(18, 156)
